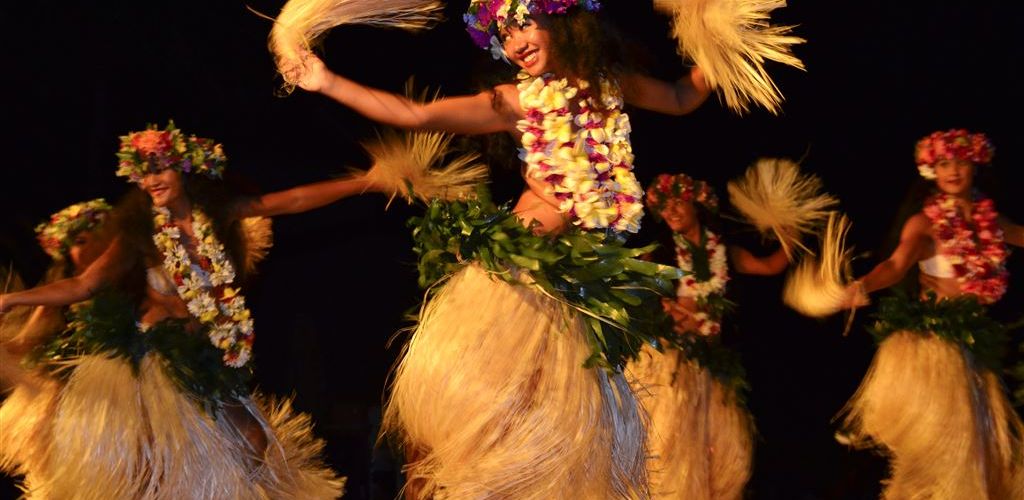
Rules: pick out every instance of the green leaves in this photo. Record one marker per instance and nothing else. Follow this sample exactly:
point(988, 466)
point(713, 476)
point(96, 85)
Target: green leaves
point(106, 326)
point(590, 271)
point(961, 320)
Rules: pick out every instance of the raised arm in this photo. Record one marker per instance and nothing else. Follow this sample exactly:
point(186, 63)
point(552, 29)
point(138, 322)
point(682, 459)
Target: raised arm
point(302, 198)
point(1012, 233)
point(114, 262)
point(915, 241)
point(483, 113)
point(747, 263)
point(679, 98)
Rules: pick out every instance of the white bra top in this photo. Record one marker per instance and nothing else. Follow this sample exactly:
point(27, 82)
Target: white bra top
point(158, 280)
point(937, 266)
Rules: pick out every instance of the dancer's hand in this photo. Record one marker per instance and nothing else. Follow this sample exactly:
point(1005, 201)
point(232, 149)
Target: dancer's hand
point(856, 296)
point(309, 73)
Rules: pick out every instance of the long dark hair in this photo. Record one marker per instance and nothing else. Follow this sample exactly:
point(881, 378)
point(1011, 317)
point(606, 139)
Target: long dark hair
point(588, 47)
point(133, 221)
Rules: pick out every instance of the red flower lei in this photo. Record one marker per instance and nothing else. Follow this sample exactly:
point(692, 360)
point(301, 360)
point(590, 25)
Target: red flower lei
point(977, 254)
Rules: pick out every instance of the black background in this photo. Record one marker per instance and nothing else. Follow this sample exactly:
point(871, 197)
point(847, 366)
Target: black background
point(339, 280)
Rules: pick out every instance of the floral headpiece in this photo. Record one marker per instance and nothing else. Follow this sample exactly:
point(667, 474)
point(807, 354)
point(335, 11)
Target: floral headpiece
point(956, 144)
point(168, 148)
point(679, 186)
point(485, 18)
point(58, 234)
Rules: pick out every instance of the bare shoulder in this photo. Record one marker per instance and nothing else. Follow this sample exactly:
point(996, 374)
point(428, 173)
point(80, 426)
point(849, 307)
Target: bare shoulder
point(508, 96)
point(918, 224)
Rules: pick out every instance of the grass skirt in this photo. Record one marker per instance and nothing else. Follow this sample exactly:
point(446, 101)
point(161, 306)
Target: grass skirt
point(700, 435)
point(492, 398)
point(945, 422)
point(109, 432)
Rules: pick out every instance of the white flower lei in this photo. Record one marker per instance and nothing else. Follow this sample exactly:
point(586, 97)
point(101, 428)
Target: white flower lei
point(229, 321)
point(590, 169)
point(691, 287)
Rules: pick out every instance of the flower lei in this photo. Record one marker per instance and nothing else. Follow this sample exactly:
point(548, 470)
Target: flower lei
point(705, 274)
point(680, 186)
point(205, 285)
point(485, 18)
point(957, 144)
point(143, 151)
point(589, 170)
point(58, 234)
point(978, 254)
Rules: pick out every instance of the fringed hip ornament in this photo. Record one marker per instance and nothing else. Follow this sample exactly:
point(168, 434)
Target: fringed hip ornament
point(492, 398)
point(111, 433)
point(944, 421)
point(700, 437)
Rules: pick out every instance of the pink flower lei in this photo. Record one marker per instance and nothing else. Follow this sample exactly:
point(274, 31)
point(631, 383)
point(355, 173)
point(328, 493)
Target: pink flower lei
point(692, 286)
point(585, 158)
point(956, 144)
point(978, 254)
point(682, 187)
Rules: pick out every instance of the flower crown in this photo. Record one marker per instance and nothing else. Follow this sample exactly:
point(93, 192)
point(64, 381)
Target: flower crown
point(956, 144)
point(485, 18)
point(58, 234)
point(143, 151)
point(682, 187)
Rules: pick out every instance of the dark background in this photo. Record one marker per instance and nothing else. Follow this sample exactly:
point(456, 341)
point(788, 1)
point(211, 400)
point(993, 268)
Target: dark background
point(339, 280)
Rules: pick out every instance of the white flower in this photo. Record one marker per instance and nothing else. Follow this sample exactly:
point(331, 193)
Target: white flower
point(927, 172)
point(498, 50)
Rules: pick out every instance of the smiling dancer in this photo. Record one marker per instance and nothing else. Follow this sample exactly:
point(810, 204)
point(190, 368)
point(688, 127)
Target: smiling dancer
point(511, 385)
point(152, 399)
point(932, 399)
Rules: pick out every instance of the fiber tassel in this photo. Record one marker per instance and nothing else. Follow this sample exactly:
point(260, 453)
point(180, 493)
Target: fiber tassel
point(259, 237)
point(946, 423)
point(492, 396)
point(409, 165)
point(302, 22)
point(730, 40)
point(776, 197)
point(818, 288)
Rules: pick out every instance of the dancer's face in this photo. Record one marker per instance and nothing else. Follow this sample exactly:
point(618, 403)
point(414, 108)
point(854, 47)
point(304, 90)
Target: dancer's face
point(681, 216)
point(529, 46)
point(164, 186)
point(84, 250)
point(955, 177)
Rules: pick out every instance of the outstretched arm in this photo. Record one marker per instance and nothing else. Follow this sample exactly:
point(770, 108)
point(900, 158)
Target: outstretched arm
point(747, 263)
point(1012, 233)
point(679, 98)
point(914, 243)
point(303, 198)
point(114, 262)
point(483, 113)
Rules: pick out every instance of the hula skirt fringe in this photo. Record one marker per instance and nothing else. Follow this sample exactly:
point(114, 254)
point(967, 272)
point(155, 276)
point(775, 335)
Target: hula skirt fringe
point(111, 431)
point(944, 421)
point(492, 398)
point(700, 435)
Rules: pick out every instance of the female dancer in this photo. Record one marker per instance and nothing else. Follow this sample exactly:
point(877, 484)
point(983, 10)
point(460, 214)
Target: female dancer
point(490, 398)
point(151, 400)
point(72, 239)
point(700, 433)
point(932, 397)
